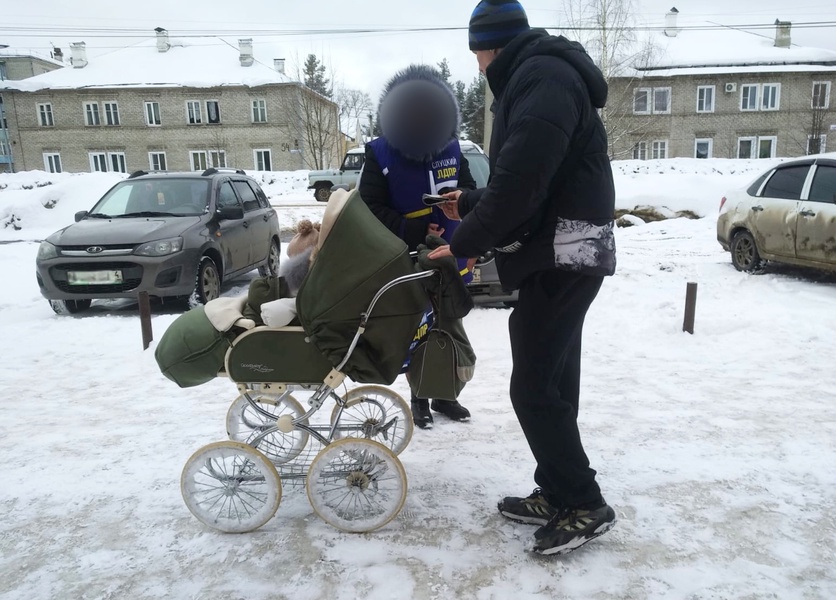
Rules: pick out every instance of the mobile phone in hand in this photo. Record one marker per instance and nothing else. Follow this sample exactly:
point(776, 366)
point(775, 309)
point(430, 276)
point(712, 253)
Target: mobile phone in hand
point(432, 199)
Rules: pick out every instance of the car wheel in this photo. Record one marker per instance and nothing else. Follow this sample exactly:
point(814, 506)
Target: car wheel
point(69, 307)
point(271, 267)
point(322, 192)
point(208, 283)
point(744, 253)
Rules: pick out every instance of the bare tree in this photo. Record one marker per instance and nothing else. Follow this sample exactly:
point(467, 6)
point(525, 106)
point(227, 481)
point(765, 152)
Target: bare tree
point(810, 128)
point(355, 106)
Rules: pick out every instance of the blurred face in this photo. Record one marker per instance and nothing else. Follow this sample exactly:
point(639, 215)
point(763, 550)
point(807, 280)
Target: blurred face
point(484, 58)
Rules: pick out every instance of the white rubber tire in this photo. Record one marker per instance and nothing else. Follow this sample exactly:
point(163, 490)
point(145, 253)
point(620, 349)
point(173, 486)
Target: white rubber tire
point(359, 411)
point(279, 447)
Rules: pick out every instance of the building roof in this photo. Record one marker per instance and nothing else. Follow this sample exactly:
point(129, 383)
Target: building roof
point(193, 62)
point(26, 53)
point(726, 51)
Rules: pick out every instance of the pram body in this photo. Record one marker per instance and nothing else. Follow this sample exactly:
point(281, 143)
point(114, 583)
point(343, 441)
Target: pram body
point(359, 308)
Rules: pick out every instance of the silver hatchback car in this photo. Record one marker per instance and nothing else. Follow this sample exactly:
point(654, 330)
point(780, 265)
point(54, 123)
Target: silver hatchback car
point(786, 215)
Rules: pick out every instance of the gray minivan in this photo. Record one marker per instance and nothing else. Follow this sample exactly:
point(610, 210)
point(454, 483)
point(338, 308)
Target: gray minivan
point(173, 235)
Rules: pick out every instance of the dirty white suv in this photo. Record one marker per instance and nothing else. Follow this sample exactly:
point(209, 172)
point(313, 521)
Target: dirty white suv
point(322, 181)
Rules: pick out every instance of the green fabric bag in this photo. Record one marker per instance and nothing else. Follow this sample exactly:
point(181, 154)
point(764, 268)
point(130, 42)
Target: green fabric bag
point(440, 366)
point(191, 351)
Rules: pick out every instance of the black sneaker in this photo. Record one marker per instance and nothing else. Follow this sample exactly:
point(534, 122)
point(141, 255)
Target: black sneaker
point(451, 409)
point(421, 415)
point(533, 510)
point(572, 528)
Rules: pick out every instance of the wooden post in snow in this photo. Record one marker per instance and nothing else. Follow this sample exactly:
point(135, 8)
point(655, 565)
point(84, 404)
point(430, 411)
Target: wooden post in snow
point(690, 308)
point(145, 319)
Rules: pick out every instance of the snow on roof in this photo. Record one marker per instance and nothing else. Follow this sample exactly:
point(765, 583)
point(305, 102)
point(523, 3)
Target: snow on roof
point(728, 50)
point(26, 53)
point(196, 62)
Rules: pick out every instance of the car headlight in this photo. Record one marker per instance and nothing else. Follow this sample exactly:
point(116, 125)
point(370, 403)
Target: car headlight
point(160, 247)
point(47, 251)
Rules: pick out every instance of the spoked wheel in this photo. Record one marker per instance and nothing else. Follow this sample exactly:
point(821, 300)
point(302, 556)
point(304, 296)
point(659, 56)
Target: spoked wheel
point(244, 424)
point(376, 413)
point(356, 485)
point(231, 487)
point(745, 255)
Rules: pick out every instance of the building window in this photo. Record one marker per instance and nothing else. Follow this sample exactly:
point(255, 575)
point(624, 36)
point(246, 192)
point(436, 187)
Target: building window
point(217, 158)
point(660, 149)
point(45, 115)
point(705, 99)
point(152, 114)
point(640, 151)
point(213, 112)
point(703, 148)
point(263, 160)
point(157, 161)
point(91, 114)
point(5, 149)
point(757, 146)
point(259, 111)
point(749, 97)
point(198, 160)
point(2, 71)
point(821, 94)
point(661, 101)
point(117, 162)
point(111, 113)
point(771, 96)
point(641, 101)
point(98, 162)
point(193, 113)
point(52, 162)
point(816, 144)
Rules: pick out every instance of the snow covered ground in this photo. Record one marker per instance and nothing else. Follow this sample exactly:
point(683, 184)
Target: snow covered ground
point(716, 449)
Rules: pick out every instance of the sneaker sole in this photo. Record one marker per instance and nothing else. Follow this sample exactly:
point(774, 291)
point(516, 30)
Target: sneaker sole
point(576, 543)
point(524, 520)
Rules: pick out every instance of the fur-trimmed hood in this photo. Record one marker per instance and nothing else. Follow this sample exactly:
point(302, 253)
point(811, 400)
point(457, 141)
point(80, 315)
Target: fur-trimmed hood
point(295, 268)
point(418, 112)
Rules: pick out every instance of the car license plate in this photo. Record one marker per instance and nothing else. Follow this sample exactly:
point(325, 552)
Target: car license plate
point(477, 275)
point(94, 277)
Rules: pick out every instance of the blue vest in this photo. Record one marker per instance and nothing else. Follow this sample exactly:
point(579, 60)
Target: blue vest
point(408, 180)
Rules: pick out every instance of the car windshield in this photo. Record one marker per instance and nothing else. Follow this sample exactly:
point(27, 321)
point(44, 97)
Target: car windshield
point(479, 167)
point(154, 198)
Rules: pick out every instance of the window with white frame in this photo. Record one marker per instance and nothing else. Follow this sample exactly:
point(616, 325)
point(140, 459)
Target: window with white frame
point(52, 162)
point(111, 110)
point(259, 111)
point(816, 144)
point(703, 148)
point(117, 162)
point(45, 115)
point(705, 98)
point(749, 97)
point(152, 114)
point(157, 161)
point(661, 101)
point(5, 149)
point(765, 146)
point(660, 149)
point(91, 114)
point(640, 151)
point(263, 160)
point(771, 96)
point(641, 101)
point(217, 158)
point(98, 161)
point(213, 112)
point(199, 160)
point(193, 116)
point(821, 95)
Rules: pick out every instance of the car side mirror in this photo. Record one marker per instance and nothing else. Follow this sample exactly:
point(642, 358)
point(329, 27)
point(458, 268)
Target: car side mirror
point(80, 215)
point(230, 213)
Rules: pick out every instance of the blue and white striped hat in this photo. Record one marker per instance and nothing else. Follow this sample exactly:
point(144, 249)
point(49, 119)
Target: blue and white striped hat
point(494, 23)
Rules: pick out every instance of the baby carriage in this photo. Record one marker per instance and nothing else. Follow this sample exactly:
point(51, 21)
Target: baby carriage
point(359, 308)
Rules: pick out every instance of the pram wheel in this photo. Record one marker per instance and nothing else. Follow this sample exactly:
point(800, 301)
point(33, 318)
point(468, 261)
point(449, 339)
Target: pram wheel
point(243, 424)
point(376, 413)
point(356, 485)
point(231, 487)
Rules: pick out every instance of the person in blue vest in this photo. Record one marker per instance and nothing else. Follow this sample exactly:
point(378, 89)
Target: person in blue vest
point(417, 154)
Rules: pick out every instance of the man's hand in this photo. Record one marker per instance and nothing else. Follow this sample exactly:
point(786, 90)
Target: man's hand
point(440, 252)
point(451, 207)
point(434, 229)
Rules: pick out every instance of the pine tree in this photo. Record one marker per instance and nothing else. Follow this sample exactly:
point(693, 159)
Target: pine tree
point(473, 110)
point(314, 73)
point(444, 70)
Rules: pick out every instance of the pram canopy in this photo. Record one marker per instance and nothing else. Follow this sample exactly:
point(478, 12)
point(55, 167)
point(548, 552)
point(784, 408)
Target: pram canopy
point(357, 256)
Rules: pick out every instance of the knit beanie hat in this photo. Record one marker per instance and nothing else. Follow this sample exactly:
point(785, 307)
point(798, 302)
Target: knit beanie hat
point(307, 236)
point(494, 23)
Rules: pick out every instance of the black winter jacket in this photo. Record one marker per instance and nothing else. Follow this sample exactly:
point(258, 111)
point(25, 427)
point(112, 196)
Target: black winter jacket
point(551, 184)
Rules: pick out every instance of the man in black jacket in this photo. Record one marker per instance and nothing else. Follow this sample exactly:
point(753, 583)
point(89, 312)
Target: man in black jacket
point(548, 209)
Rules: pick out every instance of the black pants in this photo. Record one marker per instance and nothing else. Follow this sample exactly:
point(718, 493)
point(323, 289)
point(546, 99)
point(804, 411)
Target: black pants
point(546, 328)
